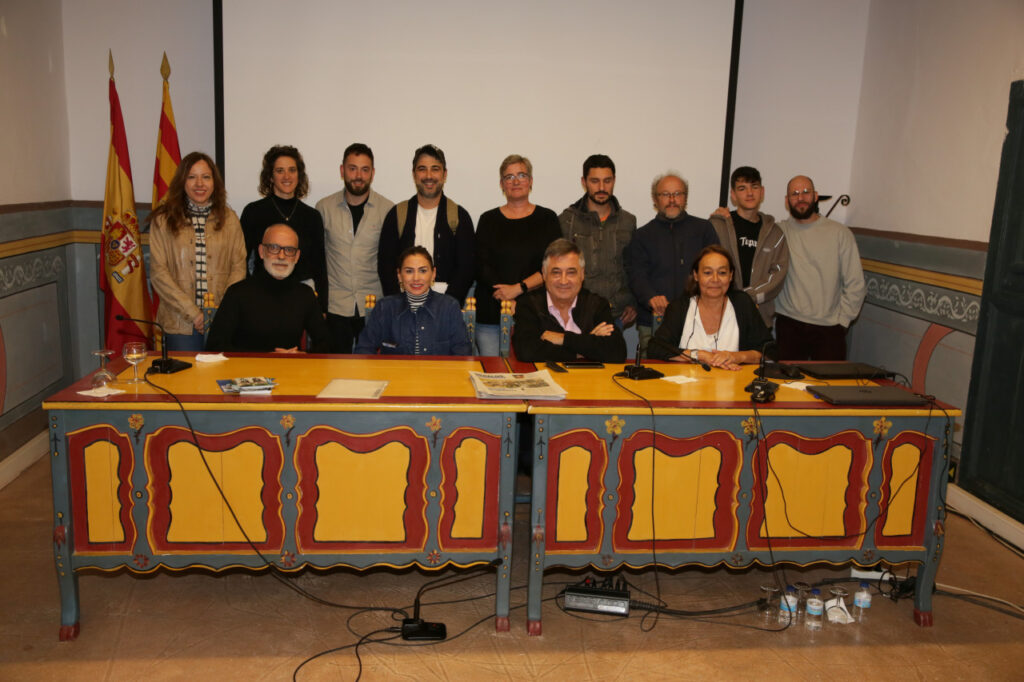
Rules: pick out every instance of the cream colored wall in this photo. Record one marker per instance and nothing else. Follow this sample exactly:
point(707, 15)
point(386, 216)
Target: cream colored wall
point(34, 130)
point(798, 89)
point(138, 32)
point(932, 117)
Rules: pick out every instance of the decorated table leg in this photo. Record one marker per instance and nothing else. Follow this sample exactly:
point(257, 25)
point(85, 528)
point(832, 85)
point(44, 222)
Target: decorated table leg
point(926, 578)
point(535, 581)
point(509, 443)
point(67, 580)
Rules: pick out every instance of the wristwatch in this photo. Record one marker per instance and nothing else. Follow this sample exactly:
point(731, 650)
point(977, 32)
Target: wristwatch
point(522, 285)
point(693, 355)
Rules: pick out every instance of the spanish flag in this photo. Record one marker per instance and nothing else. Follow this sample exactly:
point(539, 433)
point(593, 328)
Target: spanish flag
point(123, 271)
point(168, 154)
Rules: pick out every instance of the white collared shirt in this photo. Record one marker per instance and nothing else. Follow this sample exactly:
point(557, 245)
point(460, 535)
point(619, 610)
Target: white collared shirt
point(569, 326)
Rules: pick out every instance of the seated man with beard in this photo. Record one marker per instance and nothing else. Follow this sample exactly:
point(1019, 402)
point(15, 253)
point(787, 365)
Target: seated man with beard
point(269, 311)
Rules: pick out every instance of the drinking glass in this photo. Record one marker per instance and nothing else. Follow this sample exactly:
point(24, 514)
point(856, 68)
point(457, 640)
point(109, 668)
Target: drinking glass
point(768, 609)
point(134, 353)
point(104, 376)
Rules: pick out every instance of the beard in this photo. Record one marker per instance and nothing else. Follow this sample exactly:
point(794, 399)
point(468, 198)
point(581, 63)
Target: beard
point(355, 191)
point(803, 214)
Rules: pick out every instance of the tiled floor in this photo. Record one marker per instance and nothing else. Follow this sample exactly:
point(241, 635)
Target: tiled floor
point(241, 626)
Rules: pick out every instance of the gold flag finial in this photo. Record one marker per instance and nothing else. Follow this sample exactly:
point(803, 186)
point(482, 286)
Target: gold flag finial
point(165, 68)
point(110, 56)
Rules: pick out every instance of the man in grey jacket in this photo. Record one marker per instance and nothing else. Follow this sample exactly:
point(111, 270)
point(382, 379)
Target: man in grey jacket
point(756, 244)
point(602, 229)
point(352, 222)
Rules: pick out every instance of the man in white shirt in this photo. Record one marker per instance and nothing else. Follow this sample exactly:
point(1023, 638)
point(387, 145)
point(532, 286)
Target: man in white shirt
point(432, 220)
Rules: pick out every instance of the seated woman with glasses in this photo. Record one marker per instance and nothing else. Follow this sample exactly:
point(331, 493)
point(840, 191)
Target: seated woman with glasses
point(269, 311)
point(418, 321)
point(711, 323)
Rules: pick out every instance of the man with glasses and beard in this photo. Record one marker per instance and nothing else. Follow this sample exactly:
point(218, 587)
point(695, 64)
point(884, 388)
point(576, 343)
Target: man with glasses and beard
point(824, 288)
point(352, 221)
point(268, 311)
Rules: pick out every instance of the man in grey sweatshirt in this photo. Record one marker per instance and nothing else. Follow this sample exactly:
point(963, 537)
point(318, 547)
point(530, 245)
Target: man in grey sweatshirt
point(824, 288)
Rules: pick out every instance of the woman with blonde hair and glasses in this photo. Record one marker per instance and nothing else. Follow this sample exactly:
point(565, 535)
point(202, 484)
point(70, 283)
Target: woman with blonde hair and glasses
point(510, 243)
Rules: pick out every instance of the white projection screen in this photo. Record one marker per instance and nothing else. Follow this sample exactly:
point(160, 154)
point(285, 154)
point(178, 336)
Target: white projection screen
point(645, 82)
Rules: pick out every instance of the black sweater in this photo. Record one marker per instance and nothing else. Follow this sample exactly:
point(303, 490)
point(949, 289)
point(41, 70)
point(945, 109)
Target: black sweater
point(307, 223)
point(261, 313)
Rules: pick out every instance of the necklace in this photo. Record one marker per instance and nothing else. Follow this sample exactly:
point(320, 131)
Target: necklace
point(276, 208)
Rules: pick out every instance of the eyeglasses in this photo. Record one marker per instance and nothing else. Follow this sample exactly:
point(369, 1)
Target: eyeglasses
point(512, 176)
point(797, 193)
point(670, 195)
point(274, 249)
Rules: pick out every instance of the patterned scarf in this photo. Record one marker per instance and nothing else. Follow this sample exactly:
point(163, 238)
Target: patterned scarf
point(198, 215)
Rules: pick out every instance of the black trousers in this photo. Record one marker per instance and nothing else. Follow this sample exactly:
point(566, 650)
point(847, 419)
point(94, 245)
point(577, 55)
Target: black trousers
point(344, 331)
point(802, 341)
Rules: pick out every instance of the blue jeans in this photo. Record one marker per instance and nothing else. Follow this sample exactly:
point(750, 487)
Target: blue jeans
point(488, 339)
point(193, 342)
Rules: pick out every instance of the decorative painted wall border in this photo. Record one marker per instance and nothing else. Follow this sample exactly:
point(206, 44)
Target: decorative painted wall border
point(29, 271)
point(953, 309)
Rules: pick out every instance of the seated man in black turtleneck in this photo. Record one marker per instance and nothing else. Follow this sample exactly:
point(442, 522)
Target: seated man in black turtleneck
point(269, 311)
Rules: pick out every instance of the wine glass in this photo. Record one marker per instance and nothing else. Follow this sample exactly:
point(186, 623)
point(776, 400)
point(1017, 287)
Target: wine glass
point(134, 352)
point(104, 376)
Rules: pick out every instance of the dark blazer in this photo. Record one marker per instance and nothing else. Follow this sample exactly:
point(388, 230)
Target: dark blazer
point(753, 332)
point(532, 319)
point(454, 254)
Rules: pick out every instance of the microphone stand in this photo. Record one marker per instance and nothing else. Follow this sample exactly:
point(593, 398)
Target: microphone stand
point(761, 390)
point(165, 364)
point(638, 372)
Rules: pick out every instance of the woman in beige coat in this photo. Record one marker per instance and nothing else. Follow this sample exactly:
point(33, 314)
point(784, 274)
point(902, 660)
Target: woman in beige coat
point(196, 248)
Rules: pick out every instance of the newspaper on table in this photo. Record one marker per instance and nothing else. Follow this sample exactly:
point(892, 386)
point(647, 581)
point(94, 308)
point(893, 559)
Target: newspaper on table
point(530, 386)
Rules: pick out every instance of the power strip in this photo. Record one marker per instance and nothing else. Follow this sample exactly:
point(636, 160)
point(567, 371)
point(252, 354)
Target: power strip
point(866, 574)
point(596, 600)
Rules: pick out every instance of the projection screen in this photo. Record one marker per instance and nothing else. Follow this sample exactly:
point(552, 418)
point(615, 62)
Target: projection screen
point(645, 83)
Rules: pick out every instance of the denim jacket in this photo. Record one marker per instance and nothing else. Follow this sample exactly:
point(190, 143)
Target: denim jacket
point(392, 328)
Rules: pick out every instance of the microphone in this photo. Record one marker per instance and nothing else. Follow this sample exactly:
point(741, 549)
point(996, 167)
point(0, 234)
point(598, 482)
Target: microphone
point(776, 369)
point(164, 365)
point(675, 350)
point(415, 628)
point(638, 372)
point(761, 390)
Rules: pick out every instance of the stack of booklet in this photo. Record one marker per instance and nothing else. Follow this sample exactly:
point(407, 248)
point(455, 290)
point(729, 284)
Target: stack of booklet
point(247, 385)
point(532, 386)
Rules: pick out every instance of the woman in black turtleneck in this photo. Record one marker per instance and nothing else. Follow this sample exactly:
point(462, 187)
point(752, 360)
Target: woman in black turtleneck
point(283, 184)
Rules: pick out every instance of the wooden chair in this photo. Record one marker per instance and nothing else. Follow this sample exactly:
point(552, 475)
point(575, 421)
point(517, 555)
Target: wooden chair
point(507, 321)
point(469, 318)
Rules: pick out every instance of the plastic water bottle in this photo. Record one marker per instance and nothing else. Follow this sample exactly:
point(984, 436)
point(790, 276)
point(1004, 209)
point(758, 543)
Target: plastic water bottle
point(861, 603)
point(788, 606)
point(815, 610)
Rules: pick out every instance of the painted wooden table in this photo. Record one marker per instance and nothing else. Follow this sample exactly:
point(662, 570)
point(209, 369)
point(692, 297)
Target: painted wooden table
point(423, 476)
point(818, 485)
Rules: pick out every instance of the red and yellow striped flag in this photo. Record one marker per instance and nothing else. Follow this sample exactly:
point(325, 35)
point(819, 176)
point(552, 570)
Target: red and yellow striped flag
point(123, 271)
point(168, 154)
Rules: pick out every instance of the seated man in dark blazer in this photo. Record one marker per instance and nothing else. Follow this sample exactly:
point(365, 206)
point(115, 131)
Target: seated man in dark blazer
point(563, 321)
point(268, 312)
